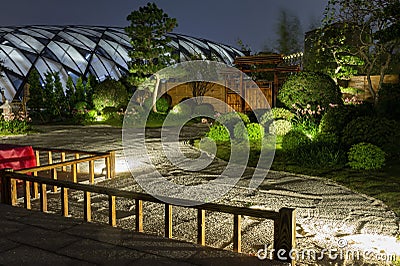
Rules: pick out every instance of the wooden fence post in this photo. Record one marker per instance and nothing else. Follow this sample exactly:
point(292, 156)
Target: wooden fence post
point(237, 233)
point(64, 201)
point(91, 172)
point(168, 221)
point(139, 215)
point(87, 209)
point(285, 235)
point(74, 172)
point(201, 227)
point(112, 212)
point(110, 164)
point(77, 165)
point(43, 197)
point(54, 177)
point(27, 195)
point(35, 185)
point(63, 168)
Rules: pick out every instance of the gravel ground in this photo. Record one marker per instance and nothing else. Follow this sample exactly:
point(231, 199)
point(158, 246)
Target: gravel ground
point(328, 214)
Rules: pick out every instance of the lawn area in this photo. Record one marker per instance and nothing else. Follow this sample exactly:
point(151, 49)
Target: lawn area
point(382, 184)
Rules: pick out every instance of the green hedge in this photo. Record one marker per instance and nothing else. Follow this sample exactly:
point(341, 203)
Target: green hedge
point(366, 156)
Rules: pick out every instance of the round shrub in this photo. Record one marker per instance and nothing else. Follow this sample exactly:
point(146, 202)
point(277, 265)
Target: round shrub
point(366, 156)
point(294, 139)
point(218, 133)
point(252, 131)
point(255, 131)
point(204, 109)
point(379, 131)
point(232, 118)
point(229, 120)
point(110, 93)
point(309, 88)
point(336, 118)
point(280, 127)
point(110, 113)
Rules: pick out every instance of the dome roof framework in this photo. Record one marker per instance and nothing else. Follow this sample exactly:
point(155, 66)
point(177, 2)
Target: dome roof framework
point(80, 51)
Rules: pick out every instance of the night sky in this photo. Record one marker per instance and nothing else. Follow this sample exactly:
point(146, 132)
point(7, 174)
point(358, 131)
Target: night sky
point(225, 21)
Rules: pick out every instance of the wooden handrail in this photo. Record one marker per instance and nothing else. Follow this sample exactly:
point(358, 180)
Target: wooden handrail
point(70, 151)
point(284, 220)
point(60, 164)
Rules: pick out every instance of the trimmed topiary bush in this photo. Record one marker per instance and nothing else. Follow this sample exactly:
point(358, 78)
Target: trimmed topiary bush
point(336, 118)
point(309, 88)
point(110, 93)
point(366, 156)
point(252, 131)
point(379, 131)
point(218, 133)
point(255, 131)
point(280, 127)
point(231, 119)
point(294, 139)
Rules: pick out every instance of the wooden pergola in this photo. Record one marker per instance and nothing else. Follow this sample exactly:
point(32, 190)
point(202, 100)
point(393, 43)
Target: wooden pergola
point(265, 63)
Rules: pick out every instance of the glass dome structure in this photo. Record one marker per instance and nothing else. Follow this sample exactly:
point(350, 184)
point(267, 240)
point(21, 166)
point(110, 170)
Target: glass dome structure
point(82, 51)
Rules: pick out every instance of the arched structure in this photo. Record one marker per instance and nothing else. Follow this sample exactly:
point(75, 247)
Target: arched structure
point(81, 51)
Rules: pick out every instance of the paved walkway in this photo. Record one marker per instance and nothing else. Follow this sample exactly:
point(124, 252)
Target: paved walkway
point(326, 212)
point(35, 238)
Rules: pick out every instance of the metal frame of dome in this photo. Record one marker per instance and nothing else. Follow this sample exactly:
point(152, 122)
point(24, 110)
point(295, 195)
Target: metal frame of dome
point(81, 51)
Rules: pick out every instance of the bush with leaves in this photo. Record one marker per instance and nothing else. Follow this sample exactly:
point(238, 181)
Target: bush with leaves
point(294, 139)
point(229, 120)
point(280, 127)
point(276, 113)
point(336, 118)
point(110, 93)
point(162, 104)
point(218, 133)
point(311, 88)
point(326, 137)
point(252, 131)
point(321, 155)
point(366, 156)
point(14, 124)
point(379, 131)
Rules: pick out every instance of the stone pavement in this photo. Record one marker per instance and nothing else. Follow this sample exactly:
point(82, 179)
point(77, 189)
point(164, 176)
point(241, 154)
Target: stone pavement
point(35, 238)
point(326, 212)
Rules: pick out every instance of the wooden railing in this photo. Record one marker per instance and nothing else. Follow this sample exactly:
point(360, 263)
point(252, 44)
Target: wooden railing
point(284, 220)
point(78, 158)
